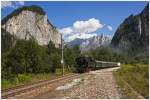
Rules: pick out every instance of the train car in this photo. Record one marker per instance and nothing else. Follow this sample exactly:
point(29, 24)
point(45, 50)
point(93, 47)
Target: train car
point(85, 64)
point(104, 64)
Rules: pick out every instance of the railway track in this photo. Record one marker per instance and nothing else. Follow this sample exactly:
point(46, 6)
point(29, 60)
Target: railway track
point(23, 85)
point(24, 88)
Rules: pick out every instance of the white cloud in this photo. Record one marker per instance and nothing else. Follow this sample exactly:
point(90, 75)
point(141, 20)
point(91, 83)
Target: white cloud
point(109, 27)
point(66, 31)
point(5, 4)
point(81, 29)
point(12, 4)
point(88, 26)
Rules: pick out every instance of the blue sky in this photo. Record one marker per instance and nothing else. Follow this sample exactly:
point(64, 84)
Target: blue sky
point(64, 14)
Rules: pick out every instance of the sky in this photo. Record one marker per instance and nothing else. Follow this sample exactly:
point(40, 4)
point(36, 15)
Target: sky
point(82, 19)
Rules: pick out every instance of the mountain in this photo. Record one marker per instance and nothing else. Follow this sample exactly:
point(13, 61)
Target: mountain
point(95, 42)
point(77, 41)
point(91, 43)
point(133, 34)
point(31, 22)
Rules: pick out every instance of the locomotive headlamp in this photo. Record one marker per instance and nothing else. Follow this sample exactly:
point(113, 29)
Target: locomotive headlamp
point(118, 64)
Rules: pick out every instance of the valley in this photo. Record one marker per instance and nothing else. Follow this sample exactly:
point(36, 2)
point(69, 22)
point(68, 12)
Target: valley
point(33, 49)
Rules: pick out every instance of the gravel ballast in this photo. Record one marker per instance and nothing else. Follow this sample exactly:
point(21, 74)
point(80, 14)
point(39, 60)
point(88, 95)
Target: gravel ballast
point(98, 84)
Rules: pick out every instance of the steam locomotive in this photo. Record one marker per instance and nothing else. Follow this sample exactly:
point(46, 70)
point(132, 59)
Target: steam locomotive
point(85, 64)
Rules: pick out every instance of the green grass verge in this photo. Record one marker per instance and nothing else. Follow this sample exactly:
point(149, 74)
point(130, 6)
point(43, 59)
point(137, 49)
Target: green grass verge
point(137, 76)
point(28, 78)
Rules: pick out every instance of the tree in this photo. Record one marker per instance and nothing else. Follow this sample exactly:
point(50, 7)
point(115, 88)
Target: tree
point(55, 58)
point(69, 57)
point(51, 48)
point(7, 40)
point(76, 50)
point(27, 57)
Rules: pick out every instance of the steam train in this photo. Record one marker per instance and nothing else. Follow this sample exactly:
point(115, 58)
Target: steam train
point(85, 64)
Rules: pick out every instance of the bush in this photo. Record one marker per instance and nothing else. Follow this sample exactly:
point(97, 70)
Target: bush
point(6, 83)
point(22, 78)
point(55, 58)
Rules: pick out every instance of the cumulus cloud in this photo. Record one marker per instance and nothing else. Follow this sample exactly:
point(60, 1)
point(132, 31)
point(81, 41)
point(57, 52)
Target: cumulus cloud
point(12, 4)
point(66, 31)
point(109, 27)
point(5, 4)
point(80, 36)
point(88, 26)
point(81, 29)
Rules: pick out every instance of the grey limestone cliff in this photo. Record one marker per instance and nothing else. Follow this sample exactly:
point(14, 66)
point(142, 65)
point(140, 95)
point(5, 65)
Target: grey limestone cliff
point(30, 23)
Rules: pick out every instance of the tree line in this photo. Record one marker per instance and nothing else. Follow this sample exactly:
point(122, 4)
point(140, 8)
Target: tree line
point(29, 57)
point(110, 54)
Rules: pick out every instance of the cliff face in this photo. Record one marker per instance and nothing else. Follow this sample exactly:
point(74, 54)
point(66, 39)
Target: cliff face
point(133, 33)
point(25, 23)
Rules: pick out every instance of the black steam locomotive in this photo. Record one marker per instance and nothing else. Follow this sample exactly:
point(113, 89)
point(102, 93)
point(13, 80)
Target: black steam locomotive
point(85, 64)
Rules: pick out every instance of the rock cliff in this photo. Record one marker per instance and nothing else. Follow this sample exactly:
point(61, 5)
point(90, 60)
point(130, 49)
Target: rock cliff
point(133, 34)
point(31, 21)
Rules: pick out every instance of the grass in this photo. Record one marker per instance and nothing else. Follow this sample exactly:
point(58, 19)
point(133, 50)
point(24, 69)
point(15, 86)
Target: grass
point(137, 76)
point(28, 78)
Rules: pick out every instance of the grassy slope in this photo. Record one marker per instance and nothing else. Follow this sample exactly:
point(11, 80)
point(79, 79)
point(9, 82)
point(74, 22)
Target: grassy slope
point(136, 76)
point(30, 78)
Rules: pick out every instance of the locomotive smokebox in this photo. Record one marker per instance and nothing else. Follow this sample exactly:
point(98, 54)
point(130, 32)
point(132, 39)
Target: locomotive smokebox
point(85, 64)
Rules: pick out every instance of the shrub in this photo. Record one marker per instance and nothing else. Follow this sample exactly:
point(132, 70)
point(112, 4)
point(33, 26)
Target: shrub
point(22, 78)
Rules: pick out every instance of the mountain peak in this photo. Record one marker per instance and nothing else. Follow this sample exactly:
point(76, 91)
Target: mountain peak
point(32, 8)
point(31, 21)
point(91, 43)
point(133, 34)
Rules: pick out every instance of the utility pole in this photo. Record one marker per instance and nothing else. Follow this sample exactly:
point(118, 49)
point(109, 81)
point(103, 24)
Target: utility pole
point(62, 55)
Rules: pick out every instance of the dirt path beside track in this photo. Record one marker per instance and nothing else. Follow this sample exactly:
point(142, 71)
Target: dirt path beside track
point(97, 84)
